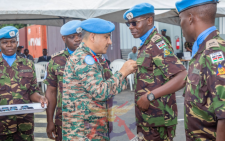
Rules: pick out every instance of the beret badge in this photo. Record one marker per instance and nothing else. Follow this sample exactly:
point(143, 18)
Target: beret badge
point(129, 15)
point(12, 33)
point(79, 29)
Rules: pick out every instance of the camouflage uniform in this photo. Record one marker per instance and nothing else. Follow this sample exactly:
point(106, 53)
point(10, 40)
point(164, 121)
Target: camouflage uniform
point(85, 88)
point(17, 83)
point(55, 79)
point(205, 90)
point(168, 38)
point(157, 64)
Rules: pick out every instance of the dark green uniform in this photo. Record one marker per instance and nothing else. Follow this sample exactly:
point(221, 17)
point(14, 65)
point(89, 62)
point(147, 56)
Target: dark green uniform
point(17, 84)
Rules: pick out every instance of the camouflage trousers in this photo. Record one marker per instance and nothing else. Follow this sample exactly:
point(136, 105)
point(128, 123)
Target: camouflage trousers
point(58, 132)
point(157, 133)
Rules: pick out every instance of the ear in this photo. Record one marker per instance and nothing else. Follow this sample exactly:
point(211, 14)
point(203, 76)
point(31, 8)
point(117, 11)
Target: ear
point(92, 37)
point(150, 20)
point(190, 19)
point(64, 39)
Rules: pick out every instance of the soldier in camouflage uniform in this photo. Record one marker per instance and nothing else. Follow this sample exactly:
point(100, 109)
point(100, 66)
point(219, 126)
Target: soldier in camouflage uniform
point(204, 106)
point(160, 74)
point(72, 37)
point(18, 85)
point(86, 88)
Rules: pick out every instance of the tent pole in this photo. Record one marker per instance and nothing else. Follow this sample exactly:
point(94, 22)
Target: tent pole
point(181, 40)
point(64, 21)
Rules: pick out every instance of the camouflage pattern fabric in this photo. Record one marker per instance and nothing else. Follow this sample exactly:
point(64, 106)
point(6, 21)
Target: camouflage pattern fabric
point(168, 38)
point(85, 88)
point(205, 90)
point(157, 64)
point(17, 83)
point(55, 79)
point(58, 131)
point(157, 133)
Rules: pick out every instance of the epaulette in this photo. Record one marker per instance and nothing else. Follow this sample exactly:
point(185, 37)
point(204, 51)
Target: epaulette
point(155, 38)
point(57, 53)
point(212, 43)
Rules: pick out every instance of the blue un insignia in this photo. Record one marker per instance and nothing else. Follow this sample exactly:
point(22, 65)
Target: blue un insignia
point(89, 60)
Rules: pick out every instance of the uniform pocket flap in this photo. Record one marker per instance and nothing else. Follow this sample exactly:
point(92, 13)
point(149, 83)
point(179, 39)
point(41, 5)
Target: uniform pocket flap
point(26, 74)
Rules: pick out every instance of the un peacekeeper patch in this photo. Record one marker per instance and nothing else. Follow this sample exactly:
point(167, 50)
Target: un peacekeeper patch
point(161, 44)
point(167, 52)
point(217, 57)
point(89, 60)
point(27, 70)
point(220, 70)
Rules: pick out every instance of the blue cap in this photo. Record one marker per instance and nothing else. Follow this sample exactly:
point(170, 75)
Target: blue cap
point(138, 10)
point(71, 27)
point(98, 26)
point(8, 32)
point(164, 30)
point(187, 4)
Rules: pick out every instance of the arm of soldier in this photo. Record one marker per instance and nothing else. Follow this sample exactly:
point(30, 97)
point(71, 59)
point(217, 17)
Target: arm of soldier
point(33, 90)
point(171, 67)
point(220, 136)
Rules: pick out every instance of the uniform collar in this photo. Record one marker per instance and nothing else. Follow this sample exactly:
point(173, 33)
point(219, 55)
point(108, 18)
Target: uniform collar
point(155, 31)
point(144, 37)
point(70, 51)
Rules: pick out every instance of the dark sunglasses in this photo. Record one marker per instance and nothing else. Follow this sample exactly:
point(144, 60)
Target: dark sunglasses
point(134, 23)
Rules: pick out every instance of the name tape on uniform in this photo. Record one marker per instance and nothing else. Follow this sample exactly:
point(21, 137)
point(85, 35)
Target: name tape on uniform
point(27, 70)
point(161, 44)
point(217, 57)
point(89, 60)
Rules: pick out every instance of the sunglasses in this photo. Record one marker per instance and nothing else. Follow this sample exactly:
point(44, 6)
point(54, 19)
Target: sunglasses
point(134, 23)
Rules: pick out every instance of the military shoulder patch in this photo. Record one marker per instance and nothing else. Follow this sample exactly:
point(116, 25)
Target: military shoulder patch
point(167, 52)
point(89, 60)
point(212, 43)
point(155, 38)
point(57, 53)
point(217, 57)
point(220, 70)
point(161, 44)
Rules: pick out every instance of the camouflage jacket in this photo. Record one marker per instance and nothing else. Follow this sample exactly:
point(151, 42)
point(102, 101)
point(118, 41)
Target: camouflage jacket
point(205, 89)
point(17, 83)
point(85, 92)
point(157, 64)
point(55, 79)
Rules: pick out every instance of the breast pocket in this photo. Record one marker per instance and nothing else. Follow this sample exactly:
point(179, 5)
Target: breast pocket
point(25, 79)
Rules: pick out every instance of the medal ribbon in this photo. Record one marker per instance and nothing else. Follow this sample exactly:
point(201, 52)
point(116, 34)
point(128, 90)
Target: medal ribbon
point(94, 57)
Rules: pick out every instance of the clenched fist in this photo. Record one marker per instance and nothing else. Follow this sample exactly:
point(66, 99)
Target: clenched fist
point(128, 67)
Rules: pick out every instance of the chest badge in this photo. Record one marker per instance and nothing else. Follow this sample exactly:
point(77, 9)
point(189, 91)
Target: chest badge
point(89, 60)
point(167, 52)
point(161, 44)
point(220, 70)
point(217, 57)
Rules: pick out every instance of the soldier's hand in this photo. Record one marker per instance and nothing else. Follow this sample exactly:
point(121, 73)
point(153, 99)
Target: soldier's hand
point(51, 130)
point(143, 103)
point(128, 67)
point(43, 101)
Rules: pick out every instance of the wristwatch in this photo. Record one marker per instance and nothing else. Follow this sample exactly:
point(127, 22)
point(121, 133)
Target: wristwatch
point(151, 97)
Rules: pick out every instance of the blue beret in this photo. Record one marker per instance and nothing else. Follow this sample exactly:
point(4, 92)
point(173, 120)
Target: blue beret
point(71, 27)
point(187, 4)
point(138, 10)
point(164, 30)
point(8, 32)
point(98, 26)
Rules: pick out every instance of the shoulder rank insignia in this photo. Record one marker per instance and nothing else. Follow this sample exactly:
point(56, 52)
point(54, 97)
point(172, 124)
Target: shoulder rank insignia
point(57, 53)
point(89, 60)
point(212, 43)
point(220, 70)
point(161, 44)
point(155, 38)
point(217, 57)
point(167, 52)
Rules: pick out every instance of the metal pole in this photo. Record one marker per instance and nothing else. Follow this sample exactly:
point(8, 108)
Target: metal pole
point(64, 21)
point(181, 40)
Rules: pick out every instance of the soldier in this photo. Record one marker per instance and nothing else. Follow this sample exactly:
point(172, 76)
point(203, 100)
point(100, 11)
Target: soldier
point(85, 87)
point(205, 84)
point(18, 85)
point(71, 35)
point(163, 32)
point(160, 74)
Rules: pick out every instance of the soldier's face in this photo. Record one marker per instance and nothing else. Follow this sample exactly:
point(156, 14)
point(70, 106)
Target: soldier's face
point(186, 25)
point(72, 41)
point(9, 46)
point(102, 42)
point(141, 26)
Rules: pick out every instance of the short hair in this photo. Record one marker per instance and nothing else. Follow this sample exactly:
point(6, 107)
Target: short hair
point(133, 47)
point(44, 49)
point(206, 12)
point(150, 15)
point(85, 34)
point(26, 49)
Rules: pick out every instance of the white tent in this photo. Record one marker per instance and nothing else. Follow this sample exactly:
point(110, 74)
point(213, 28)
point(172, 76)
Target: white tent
point(55, 12)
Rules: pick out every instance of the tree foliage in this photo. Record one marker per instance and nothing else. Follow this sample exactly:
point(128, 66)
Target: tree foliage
point(18, 26)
